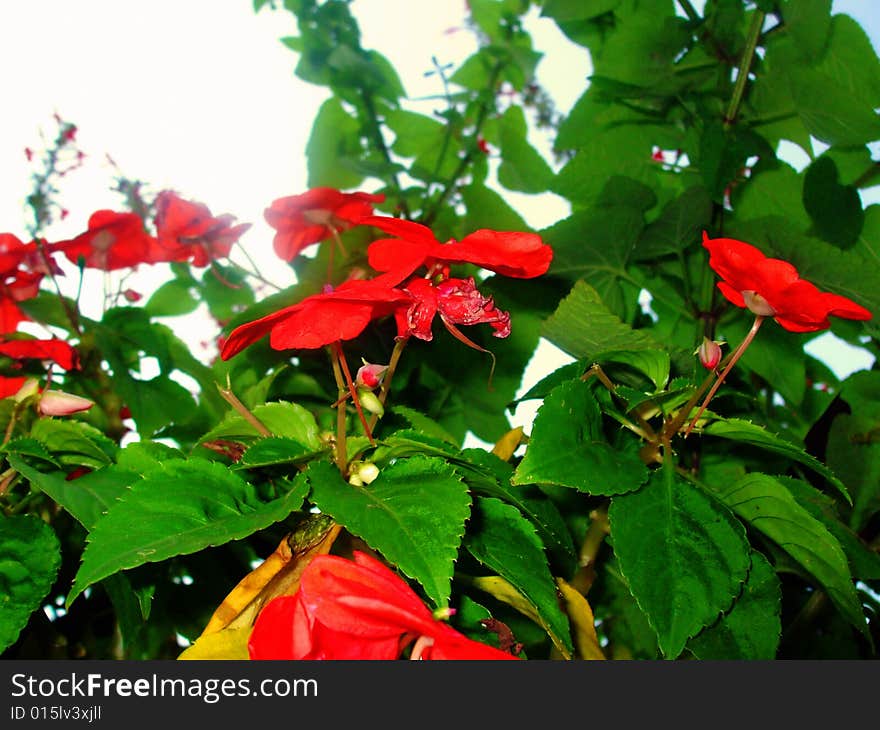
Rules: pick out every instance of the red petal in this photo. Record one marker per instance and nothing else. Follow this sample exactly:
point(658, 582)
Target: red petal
point(57, 350)
point(520, 255)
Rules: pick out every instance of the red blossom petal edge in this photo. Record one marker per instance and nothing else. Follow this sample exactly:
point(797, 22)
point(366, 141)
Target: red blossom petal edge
point(356, 609)
point(311, 217)
point(772, 288)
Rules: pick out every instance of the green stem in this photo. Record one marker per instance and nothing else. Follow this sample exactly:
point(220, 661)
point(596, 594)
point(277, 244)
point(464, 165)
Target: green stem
point(379, 141)
point(389, 373)
point(745, 65)
point(463, 163)
point(341, 449)
point(733, 358)
point(689, 10)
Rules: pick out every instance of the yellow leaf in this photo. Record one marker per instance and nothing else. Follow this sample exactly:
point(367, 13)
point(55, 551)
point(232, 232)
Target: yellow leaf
point(278, 575)
point(583, 624)
point(508, 443)
point(229, 643)
point(499, 588)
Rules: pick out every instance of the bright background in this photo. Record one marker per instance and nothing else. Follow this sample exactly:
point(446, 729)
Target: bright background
point(199, 96)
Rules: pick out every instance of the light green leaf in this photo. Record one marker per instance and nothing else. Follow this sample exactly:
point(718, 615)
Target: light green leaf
point(284, 419)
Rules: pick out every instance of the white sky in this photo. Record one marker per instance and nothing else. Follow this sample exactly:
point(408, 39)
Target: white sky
point(200, 96)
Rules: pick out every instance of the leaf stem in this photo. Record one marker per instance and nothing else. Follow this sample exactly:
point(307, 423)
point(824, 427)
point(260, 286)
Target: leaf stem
point(242, 409)
point(341, 449)
point(389, 373)
point(745, 65)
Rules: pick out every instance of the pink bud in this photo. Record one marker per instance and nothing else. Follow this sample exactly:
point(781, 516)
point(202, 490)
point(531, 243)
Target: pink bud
point(59, 403)
point(709, 353)
point(369, 375)
point(132, 296)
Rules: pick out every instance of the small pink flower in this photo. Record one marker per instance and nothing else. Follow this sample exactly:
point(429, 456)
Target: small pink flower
point(369, 375)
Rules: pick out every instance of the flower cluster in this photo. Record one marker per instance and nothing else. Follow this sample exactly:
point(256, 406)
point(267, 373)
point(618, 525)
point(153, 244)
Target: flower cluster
point(412, 282)
point(357, 609)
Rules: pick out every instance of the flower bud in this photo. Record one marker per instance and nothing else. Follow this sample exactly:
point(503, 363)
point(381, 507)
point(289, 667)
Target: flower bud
point(369, 402)
point(369, 376)
point(709, 353)
point(59, 403)
point(362, 472)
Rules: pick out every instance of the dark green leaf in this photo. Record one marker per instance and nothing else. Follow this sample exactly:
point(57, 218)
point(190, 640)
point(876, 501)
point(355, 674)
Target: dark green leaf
point(506, 543)
point(567, 447)
point(413, 513)
point(836, 210)
point(74, 442)
point(683, 554)
point(30, 560)
point(182, 508)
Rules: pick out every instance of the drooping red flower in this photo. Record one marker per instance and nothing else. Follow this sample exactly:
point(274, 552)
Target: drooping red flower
point(457, 301)
point(321, 319)
point(516, 254)
point(311, 217)
point(113, 241)
point(186, 230)
point(357, 609)
point(772, 288)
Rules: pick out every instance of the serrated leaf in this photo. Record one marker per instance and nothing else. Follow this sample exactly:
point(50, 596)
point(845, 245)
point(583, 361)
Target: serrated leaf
point(29, 447)
point(506, 543)
point(769, 508)
point(413, 513)
point(182, 508)
point(74, 442)
point(272, 450)
point(284, 419)
point(421, 422)
point(683, 554)
point(567, 447)
point(30, 556)
point(87, 498)
point(752, 628)
point(583, 326)
point(142, 456)
point(736, 429)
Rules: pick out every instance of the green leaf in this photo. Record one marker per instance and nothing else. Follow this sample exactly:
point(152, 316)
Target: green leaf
point(225, 291)
point(522, 168)
point(154, 403)
point(752, 628)
point(74, 442)
point(29, 447)
point(413, 513)
point(506, 543)
point(284, 419)
point(808, 22)
point(853, 452)
point(87, 498)
point(423, 423)
point(271, 451)
point(487, 209)
point(750, 433)
point(567, 447)
point(654, 364)
point(769, 508)
point(679, 224)
point(143, 456)
point(683, 554)
point(182, 508)
point(836, 210)
point(334, 140)
point(29, 560)
point(173, 298)
point(583, 326)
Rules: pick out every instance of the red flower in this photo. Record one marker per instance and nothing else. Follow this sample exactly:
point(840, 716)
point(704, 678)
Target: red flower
point(11, 386)
point(113, 241)
point(457, 301)
point(321, 319)
point(301, 220)
point(520, 255)
point(187, 230)
point(772, 288)
point(356, 610)
point(56, 350)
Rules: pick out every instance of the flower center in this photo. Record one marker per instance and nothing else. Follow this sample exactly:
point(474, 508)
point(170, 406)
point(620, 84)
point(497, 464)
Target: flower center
point(757, 304)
